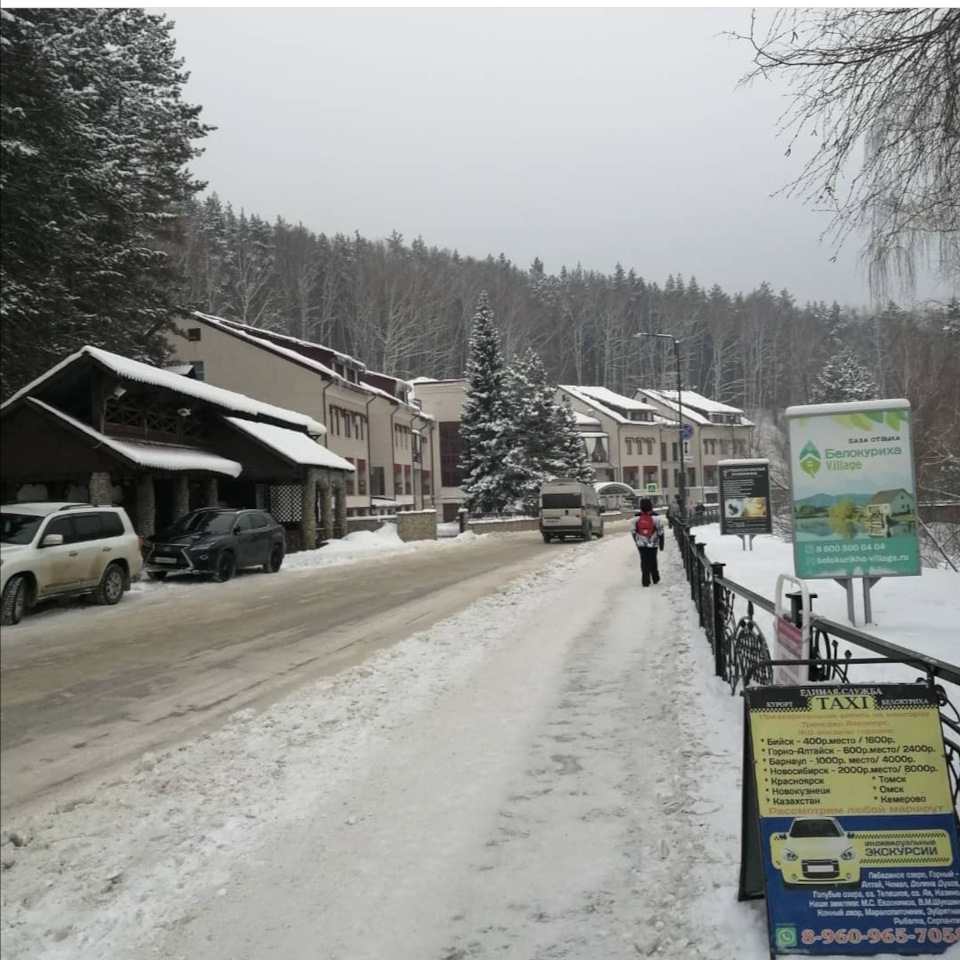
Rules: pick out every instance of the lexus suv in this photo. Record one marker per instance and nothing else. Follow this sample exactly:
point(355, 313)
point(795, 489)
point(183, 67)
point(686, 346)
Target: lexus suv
point(216, 542)
point(64, 549)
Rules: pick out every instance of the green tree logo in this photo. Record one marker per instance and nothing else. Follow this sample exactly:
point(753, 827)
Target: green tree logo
point(810, 459)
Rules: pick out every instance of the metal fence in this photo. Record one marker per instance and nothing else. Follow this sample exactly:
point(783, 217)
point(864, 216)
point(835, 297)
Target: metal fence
point(741, 653)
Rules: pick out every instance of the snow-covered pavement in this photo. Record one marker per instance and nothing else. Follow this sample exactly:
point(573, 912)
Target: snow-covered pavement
point(553, 773)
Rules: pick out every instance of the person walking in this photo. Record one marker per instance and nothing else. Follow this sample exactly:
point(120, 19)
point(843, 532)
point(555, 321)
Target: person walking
point(648, 536)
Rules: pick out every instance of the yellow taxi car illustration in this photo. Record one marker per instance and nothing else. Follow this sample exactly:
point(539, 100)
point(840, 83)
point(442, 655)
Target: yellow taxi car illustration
point(815, 850)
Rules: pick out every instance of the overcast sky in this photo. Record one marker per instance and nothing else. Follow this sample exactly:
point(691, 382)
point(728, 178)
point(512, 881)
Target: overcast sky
point(573, 135)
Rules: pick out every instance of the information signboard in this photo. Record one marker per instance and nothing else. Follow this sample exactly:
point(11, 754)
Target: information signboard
point(854, 823)
point(744, 497)
point(853, 492)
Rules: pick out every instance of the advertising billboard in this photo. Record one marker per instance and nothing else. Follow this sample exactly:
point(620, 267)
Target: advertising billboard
point(852, 490)
point(855, 827)
point(744, 496)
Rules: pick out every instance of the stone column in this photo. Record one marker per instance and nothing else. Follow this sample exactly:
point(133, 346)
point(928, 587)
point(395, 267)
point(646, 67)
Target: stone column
point(101, 488)
point(146, 509)
point(341, 506)
point(181, 496)
point(211, 492)
point(326, 507)
point(308, 510)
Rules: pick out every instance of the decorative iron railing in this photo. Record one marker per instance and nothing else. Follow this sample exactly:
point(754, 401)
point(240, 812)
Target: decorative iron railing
point(727, 612)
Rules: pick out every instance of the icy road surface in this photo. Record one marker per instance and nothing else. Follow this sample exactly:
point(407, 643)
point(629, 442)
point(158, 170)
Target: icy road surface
point(553, 773)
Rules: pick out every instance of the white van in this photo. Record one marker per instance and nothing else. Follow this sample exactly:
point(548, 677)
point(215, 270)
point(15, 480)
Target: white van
point(569, 508)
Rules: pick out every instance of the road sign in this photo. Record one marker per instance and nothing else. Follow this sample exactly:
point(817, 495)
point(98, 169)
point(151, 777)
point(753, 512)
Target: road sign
point(652, 489)
point(686, 431)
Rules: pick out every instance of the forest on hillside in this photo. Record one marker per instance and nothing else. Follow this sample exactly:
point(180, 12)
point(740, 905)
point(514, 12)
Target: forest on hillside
point(406, 309)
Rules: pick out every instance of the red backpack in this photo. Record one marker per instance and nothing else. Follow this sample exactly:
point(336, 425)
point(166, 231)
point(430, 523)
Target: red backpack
point(645, 526)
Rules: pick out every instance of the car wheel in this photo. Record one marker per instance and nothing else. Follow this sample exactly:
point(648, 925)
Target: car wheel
point(585, 534)
point(157, 574)
point(226, 567)
point(275, 561)
point(600, 534)
point(546, 537)
point(110, 589)
point(14, 600)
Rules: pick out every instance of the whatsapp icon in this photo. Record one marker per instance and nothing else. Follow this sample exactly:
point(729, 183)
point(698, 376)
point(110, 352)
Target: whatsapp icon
point(785, 936)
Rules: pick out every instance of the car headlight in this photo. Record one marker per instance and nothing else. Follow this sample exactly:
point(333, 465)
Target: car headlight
point(849, 854)
point(788, 854)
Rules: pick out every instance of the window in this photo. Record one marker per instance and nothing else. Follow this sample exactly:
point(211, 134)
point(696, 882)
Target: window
point(197, 369)
point(649, 442)
point(664, 478)
point(676, 479)
point(709, 476)
point(348, 481)
point(346, 423)
point(63, 526)
point(378, 485)
point(397, 478)
point(362, 477)
point(425, 485)
point(407, 481)
point(111, 525)
point(260, 520)
point(663, 451)
point(194, 333)
point(86, 526)
point(631, 476)
point(674, 458)
point(450, 475)
point(691, 476)
point(629, 447)
point(246, 522)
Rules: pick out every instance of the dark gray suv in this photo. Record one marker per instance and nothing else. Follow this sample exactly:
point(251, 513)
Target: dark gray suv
point(216, 542)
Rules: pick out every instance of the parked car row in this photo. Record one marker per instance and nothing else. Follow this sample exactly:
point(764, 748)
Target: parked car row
point(50, 550)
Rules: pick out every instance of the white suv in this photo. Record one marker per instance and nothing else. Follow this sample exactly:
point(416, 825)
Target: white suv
point(64, 549)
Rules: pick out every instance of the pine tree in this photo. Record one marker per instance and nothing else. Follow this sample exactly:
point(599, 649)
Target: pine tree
point(545, 431)
point(570, 447)
point(94, 142)
point(490, 463)
point(844, 378)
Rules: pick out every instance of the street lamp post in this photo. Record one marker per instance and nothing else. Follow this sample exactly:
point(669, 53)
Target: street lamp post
point(683, 469)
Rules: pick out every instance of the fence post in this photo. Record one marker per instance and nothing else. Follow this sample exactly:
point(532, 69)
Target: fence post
point(691, 559)
point(701, 562)
point(719, 633)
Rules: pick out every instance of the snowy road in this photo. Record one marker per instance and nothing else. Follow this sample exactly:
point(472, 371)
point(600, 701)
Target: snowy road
point(86, 688)
point(532, 778)
point(551, 774)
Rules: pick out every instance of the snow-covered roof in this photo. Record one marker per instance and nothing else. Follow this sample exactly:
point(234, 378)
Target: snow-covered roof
point(291, 444)
point(155, 456)
point(250, 334)
point(599, 399)
point(610, 398)
point(344, 358)
point(585, 421)
point(594, 434)
point(697, 406)
point(140, 372)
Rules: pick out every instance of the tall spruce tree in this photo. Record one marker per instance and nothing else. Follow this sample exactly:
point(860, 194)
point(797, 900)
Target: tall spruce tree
point(489, 461)
point(570, 446)
point(94, 142)
point(844, 378)
point(546, 437)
